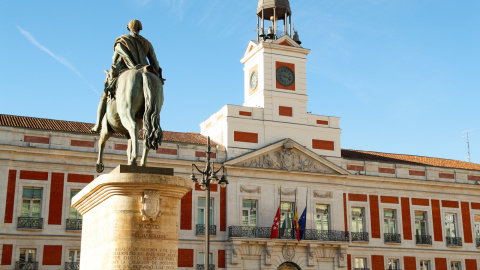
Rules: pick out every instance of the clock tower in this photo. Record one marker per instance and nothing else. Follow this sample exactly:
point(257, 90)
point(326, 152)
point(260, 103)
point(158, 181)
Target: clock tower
point(275, 93)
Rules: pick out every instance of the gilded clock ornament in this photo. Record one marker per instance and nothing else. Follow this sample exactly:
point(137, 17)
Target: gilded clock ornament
point(285, 76)
point(254, 80)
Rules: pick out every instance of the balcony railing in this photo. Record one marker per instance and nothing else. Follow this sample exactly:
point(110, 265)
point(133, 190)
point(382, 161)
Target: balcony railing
point(74, 224)
point(289, 233)
point(392, 238)
point(360, 236)
point(30, 223)
point(478, 242)
point(72, 266)
point(423, 239)
point(26, 265)
point(201, 229)
point(454, 241)
point(202, 267)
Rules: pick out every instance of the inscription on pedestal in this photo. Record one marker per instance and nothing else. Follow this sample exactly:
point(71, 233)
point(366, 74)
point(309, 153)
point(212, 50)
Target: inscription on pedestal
point(143, 258)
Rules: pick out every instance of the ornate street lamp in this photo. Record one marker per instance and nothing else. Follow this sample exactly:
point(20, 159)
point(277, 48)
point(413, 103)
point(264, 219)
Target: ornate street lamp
point(209, 176)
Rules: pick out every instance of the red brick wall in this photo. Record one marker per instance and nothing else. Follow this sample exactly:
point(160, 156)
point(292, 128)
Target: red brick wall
point(80, 178)
point(375, 216)
point(7, 251)
point(56, 199)
point(406, 219)
point(476, 206)
point(203, 154)
point(185, 257)
point(34, 175)
point(247, 137)
point(422, 202)
point(441, 264)
point(467, 223)
point(223, 209)
point(357, 197)
point(322, 122)
point(409, 263)
point(474, 178)
point(377, 262)
point(52, 255)
point(245, 113)
point(221, 258)
point(119, 147)
point(446, 175)
point(471, 264)
point(10, 201)
point(186, 212)
point(389, 199)
point(417, 173)
point(285, 111)
point(450, 204)
point(169, 151)
point(82, 143)
point(437, 221)
point(323, 145)
point(349, 262)
point(35, 139)
point(386, 170)
point(355, 168)
point(345, 211)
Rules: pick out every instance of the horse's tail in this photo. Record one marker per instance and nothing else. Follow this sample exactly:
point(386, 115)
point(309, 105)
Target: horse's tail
point(151, 118)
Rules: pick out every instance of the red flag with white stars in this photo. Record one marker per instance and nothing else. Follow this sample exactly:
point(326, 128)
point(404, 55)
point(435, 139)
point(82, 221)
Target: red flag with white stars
point(276, 225)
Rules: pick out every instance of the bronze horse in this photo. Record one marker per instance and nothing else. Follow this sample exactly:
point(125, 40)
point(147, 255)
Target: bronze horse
point(137, 104)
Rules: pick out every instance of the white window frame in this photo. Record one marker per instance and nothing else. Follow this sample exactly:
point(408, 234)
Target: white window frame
point(365, 258)
point(429, 266)
point(249, 209)
point(329, 219)
point(364, 219)
point(394, 219)
point(399, 263)
point(31, 183)
point(460, 262)
point(425, 216)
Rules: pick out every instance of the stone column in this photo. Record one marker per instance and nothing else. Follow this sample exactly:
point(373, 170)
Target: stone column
point(130, 219)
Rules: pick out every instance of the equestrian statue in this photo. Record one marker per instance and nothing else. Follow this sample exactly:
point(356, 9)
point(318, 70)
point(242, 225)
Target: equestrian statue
point(133, 96)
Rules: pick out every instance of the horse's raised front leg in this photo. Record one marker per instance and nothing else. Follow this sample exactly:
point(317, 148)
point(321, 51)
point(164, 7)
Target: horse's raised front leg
point(104, 136)
point(145, 153)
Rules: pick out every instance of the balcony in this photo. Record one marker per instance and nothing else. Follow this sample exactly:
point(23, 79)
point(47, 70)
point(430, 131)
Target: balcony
point(200, 230)
point(454, 241)
point(26, 265)
point(30, 223)
point(202, 267)
point(74, 225)
point(423, 239)
point(72, 266)
point(289, 233)
point(360, 237)
point(392, 238)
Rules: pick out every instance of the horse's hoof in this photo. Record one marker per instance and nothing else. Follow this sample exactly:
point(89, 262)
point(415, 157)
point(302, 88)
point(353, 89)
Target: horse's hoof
point(99, 167)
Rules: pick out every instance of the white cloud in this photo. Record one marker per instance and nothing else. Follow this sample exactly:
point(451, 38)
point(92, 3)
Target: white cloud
point(59, 59)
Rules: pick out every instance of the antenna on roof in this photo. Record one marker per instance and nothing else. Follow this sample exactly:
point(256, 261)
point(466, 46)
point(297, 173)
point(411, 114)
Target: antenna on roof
point(468, 142)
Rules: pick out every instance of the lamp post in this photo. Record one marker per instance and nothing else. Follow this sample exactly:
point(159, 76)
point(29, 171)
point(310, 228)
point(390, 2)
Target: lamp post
point(209, 176)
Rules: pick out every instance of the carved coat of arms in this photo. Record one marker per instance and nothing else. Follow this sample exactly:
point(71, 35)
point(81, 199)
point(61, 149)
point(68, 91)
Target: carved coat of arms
point(150, 205)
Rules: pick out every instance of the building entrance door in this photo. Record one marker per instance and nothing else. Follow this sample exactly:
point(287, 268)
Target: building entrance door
point(288, 266)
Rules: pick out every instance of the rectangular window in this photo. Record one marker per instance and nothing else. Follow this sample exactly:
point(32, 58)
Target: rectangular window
point(249, 213)
point(202, 209)
point(74, 256)
point(455, 266)
point(477, 227)
point(421, 223)
point(73, 214)
point(32, 202)
point(201, 260)
point(358, 219)
point(27, 259)
point(322, 217)
point(360, 263)
point(424, 265)
point(286, 214)
point(451, 225)
point(393, 264)
point(389, 222)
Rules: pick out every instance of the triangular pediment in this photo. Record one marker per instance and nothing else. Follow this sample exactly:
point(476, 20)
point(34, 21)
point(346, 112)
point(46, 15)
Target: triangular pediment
point(287, 155)
point(287, 41)
point(251, 45)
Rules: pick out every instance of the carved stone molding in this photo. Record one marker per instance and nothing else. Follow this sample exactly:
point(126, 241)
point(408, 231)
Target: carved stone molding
point(268, 253)
point(287, 191)
point(235, 253)
point(150, 205)
point(288, 252)
point(249, 189)
point(342, 257)
point(286, 159)
point(319, 194)
point(312, 248)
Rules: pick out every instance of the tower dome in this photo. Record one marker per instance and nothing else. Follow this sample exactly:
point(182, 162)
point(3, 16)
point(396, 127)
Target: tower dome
point(281, 8)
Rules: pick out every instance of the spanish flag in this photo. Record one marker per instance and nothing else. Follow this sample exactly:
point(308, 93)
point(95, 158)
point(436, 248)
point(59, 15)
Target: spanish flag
point(295, 224)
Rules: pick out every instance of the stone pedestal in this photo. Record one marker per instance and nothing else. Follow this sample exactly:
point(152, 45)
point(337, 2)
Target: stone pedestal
point(130, 219)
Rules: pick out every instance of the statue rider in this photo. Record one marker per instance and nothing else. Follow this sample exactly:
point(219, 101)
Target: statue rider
point(129, 52)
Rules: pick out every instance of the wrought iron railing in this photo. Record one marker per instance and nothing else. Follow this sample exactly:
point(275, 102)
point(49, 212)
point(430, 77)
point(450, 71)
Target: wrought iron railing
point(30, 223)
point(423, 239)
point(454, 241)
point(201, 229)
point(72, 266)
point(360, 237)
point(74, 224)
point(26, 265)
point(478, 242)
point(288, 233)
point(392, 238)
point(202, 267)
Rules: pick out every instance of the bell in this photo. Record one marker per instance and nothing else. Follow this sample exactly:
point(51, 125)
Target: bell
point(296, 38)
point(262, 32)
point(270, 33)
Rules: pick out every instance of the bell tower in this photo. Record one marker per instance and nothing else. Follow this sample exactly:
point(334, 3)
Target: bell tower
point(275, 93)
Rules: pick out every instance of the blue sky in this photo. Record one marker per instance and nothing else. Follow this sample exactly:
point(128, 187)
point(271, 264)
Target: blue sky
point(404, 76)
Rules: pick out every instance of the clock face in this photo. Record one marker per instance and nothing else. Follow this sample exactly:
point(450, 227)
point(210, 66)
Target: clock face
point(285, 76)
point(253, 80)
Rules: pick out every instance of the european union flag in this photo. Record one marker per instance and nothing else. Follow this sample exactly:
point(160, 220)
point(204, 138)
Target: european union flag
point(302, 223)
